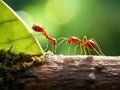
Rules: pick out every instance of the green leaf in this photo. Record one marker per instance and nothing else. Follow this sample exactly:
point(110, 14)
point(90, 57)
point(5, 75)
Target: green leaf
point(14, 32)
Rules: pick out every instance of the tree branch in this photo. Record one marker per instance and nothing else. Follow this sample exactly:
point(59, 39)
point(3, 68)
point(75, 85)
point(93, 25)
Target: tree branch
point(72, 73)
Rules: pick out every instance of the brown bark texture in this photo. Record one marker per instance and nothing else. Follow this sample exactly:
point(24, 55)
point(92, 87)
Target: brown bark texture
point(59, 72)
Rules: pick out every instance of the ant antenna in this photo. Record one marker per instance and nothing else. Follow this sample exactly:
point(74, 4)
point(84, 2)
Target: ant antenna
point(63, 39)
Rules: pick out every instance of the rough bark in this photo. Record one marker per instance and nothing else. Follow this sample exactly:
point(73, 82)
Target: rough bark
point(72, 73)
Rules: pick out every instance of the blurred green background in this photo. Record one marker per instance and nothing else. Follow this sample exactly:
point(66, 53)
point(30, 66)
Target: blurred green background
point(99, 19)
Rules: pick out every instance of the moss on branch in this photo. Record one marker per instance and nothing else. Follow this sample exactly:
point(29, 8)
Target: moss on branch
point(10, 63)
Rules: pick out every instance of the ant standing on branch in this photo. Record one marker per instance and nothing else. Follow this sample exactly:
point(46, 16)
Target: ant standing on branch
point(90, 44)
point(39, 28)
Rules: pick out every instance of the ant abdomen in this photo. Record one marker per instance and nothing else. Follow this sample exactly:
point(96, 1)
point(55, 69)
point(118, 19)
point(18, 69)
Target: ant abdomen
point(38, 28)
point(91, 45)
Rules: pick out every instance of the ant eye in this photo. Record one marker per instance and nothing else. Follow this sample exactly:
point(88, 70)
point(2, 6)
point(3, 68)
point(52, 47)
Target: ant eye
point(54, 41)
point(73, 39)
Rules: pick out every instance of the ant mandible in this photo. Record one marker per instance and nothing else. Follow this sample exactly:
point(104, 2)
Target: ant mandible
point(90, 44)
point(39, 28)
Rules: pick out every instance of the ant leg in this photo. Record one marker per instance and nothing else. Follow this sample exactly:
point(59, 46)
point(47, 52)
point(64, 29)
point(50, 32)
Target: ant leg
point(46, 46)
point(89, 51)
point(84, 39)
point(84, 50)
point(36, 34)
point(81, 51)
point(53, 48)
point(69, 49)
point(75, 49)
point(100, 51)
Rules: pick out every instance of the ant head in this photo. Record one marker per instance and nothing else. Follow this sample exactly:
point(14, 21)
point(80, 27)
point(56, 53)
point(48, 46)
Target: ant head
point(38, 28)
point(53, 41)
point(90, 44)
point(72, 40)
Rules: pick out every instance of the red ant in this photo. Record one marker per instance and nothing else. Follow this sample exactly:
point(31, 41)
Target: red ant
point(90, 44)
point(39, 28)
